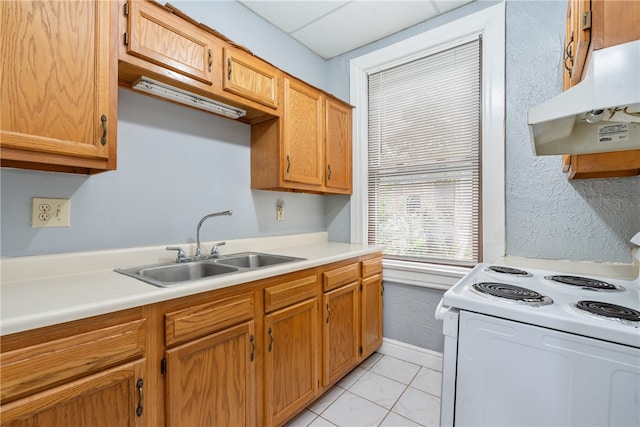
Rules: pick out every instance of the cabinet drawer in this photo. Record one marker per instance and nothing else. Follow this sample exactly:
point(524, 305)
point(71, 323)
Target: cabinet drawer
point(33, 368)
point(371, 267)
point(340, 276)
point(200, 320)
point(290, 292)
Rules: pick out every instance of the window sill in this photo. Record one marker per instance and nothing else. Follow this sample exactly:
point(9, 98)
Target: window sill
point(431, 276)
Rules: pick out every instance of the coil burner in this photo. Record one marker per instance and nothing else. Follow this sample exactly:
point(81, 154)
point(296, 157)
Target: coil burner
point(512, 293)
point(508, 270)
point(610, 311)
point(585, 283)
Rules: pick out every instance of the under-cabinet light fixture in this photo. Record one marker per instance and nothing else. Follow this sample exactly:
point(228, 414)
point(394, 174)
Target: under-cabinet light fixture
point(162, 90)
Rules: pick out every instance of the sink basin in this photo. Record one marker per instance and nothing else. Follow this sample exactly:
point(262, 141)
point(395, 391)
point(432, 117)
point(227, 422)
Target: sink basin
point(165, 275)
point(185, 272)
point(173, 274)
point(254, 260)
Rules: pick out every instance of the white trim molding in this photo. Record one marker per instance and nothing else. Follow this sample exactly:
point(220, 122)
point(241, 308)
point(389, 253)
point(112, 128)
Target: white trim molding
point(431, 276)
point(489, 24)
point(411, 353)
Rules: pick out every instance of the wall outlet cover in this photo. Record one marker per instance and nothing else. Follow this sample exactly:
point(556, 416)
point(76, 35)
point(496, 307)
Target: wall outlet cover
point(47, 212)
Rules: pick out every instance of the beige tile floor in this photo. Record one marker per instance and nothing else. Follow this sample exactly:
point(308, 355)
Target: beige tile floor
point(382, 391)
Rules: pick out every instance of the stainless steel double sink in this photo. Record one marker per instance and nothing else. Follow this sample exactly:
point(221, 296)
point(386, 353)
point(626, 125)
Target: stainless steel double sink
point(177, 273)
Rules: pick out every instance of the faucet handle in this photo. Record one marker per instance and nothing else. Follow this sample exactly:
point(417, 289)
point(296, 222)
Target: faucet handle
point(181, 254)
point(214, 248)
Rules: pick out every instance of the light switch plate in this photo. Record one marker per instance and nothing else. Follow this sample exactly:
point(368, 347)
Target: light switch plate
point(280, 210)
point(50, 212)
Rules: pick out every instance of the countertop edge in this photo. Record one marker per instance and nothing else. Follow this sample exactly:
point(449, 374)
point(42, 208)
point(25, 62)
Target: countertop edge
point(130, 293)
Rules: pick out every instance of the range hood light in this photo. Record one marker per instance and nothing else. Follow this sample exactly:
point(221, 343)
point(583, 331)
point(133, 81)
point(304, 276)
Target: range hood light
point(161, 90)
point(594, 116)
point(599, 114)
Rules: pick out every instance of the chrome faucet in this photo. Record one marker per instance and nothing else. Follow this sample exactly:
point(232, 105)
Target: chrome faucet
point(206, 217)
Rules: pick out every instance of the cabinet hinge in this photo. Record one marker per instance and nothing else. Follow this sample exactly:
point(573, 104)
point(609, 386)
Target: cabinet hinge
point(586, 20)
point(126, 9)
point(126, 39)
point(163, 366)
point(361, 288)
point(361, 350)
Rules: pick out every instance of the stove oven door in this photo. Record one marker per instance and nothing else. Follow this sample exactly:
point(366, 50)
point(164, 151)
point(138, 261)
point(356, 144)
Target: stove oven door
point(515, 374)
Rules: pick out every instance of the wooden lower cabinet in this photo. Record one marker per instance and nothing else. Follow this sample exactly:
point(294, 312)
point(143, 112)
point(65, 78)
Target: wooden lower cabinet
point(209, 362)
point(110, 398)
point(290, 360)
point(352, 326)
point(340, 332)
point(212, 381)
point(89, 372)
point(371, 315)
point(252, 355)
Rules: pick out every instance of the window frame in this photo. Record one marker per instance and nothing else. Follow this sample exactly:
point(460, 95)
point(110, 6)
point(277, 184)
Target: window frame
point(488, 23)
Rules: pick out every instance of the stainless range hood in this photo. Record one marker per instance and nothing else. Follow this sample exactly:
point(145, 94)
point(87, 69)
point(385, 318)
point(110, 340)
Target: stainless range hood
point(599, 114)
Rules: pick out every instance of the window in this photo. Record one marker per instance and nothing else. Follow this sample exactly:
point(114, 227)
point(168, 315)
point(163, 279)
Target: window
point(424, 157)
point(474, 229)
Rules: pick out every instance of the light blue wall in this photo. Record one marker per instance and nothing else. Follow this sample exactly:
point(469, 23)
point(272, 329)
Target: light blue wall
point(547, 216)
point(175, 165)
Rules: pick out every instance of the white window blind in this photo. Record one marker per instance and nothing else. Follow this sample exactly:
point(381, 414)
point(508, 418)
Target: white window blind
point(424, 158)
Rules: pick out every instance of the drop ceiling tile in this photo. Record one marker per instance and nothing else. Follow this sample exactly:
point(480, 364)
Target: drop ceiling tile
point(361, 22)
point(447, 5)
point(291, 15)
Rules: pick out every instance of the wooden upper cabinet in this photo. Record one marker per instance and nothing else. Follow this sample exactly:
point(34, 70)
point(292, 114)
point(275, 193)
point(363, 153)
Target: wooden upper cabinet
point(308, 149)
point(338, 147)
point(250, 77)
point(593, 25)
point(158, 36)
point(303, 153)
point(596, 24)
point(578, 38)
point(59, 102)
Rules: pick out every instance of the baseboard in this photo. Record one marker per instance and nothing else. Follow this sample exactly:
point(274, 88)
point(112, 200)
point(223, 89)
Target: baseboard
point(411, 353)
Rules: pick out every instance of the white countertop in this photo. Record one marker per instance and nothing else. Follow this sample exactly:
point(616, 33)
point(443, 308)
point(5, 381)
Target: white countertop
point(45, 290)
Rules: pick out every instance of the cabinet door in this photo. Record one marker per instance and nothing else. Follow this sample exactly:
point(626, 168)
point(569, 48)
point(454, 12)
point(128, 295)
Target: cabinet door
point(371, 326)
point(340, 332)
point(338, 147)
point(580, 22)
point(211, 381)
point(291, 367)
point(303, 159)
point(158, 36)
point(250, 77)
point(110, 398)
point(59, 85)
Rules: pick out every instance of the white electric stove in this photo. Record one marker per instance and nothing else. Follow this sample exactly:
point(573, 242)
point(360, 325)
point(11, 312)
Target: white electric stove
point(540, 348)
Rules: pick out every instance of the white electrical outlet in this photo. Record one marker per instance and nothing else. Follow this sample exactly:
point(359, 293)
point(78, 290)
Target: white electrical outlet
point(50, 212)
